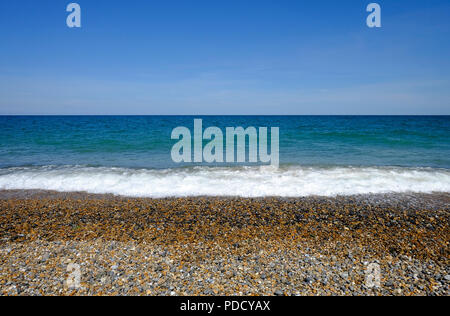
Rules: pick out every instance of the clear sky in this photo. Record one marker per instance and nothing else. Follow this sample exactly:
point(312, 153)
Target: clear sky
point(225, 57)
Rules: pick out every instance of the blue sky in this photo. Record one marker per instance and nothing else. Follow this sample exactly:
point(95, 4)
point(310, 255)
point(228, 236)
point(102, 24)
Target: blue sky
point(224, 57)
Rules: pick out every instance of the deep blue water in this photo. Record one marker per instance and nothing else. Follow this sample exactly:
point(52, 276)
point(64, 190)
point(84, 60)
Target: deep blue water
point(144, 141)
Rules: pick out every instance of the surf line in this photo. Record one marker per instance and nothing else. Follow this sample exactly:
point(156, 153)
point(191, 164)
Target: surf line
point(213, 151)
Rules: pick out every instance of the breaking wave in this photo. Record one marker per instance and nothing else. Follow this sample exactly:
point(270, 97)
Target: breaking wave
point(293, 181)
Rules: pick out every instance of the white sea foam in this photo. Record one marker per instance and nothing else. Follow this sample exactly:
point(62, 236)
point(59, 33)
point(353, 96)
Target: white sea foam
point(243, 181)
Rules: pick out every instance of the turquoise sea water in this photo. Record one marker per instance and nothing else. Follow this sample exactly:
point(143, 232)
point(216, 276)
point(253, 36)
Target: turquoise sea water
point(324, 155)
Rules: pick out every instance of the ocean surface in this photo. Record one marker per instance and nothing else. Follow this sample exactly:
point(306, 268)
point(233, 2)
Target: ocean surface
point(319, 155)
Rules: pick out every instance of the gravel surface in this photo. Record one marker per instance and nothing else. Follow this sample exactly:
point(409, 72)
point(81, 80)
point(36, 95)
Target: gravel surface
point(80, 244)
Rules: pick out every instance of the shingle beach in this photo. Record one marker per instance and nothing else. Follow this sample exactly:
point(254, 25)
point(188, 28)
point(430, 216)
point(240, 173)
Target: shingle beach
point(224, 246)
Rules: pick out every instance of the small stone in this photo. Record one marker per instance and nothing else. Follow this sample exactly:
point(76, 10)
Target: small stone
point(44, 258)
point(398, 292)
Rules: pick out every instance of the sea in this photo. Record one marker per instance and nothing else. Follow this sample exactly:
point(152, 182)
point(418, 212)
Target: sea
point(319, 156)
